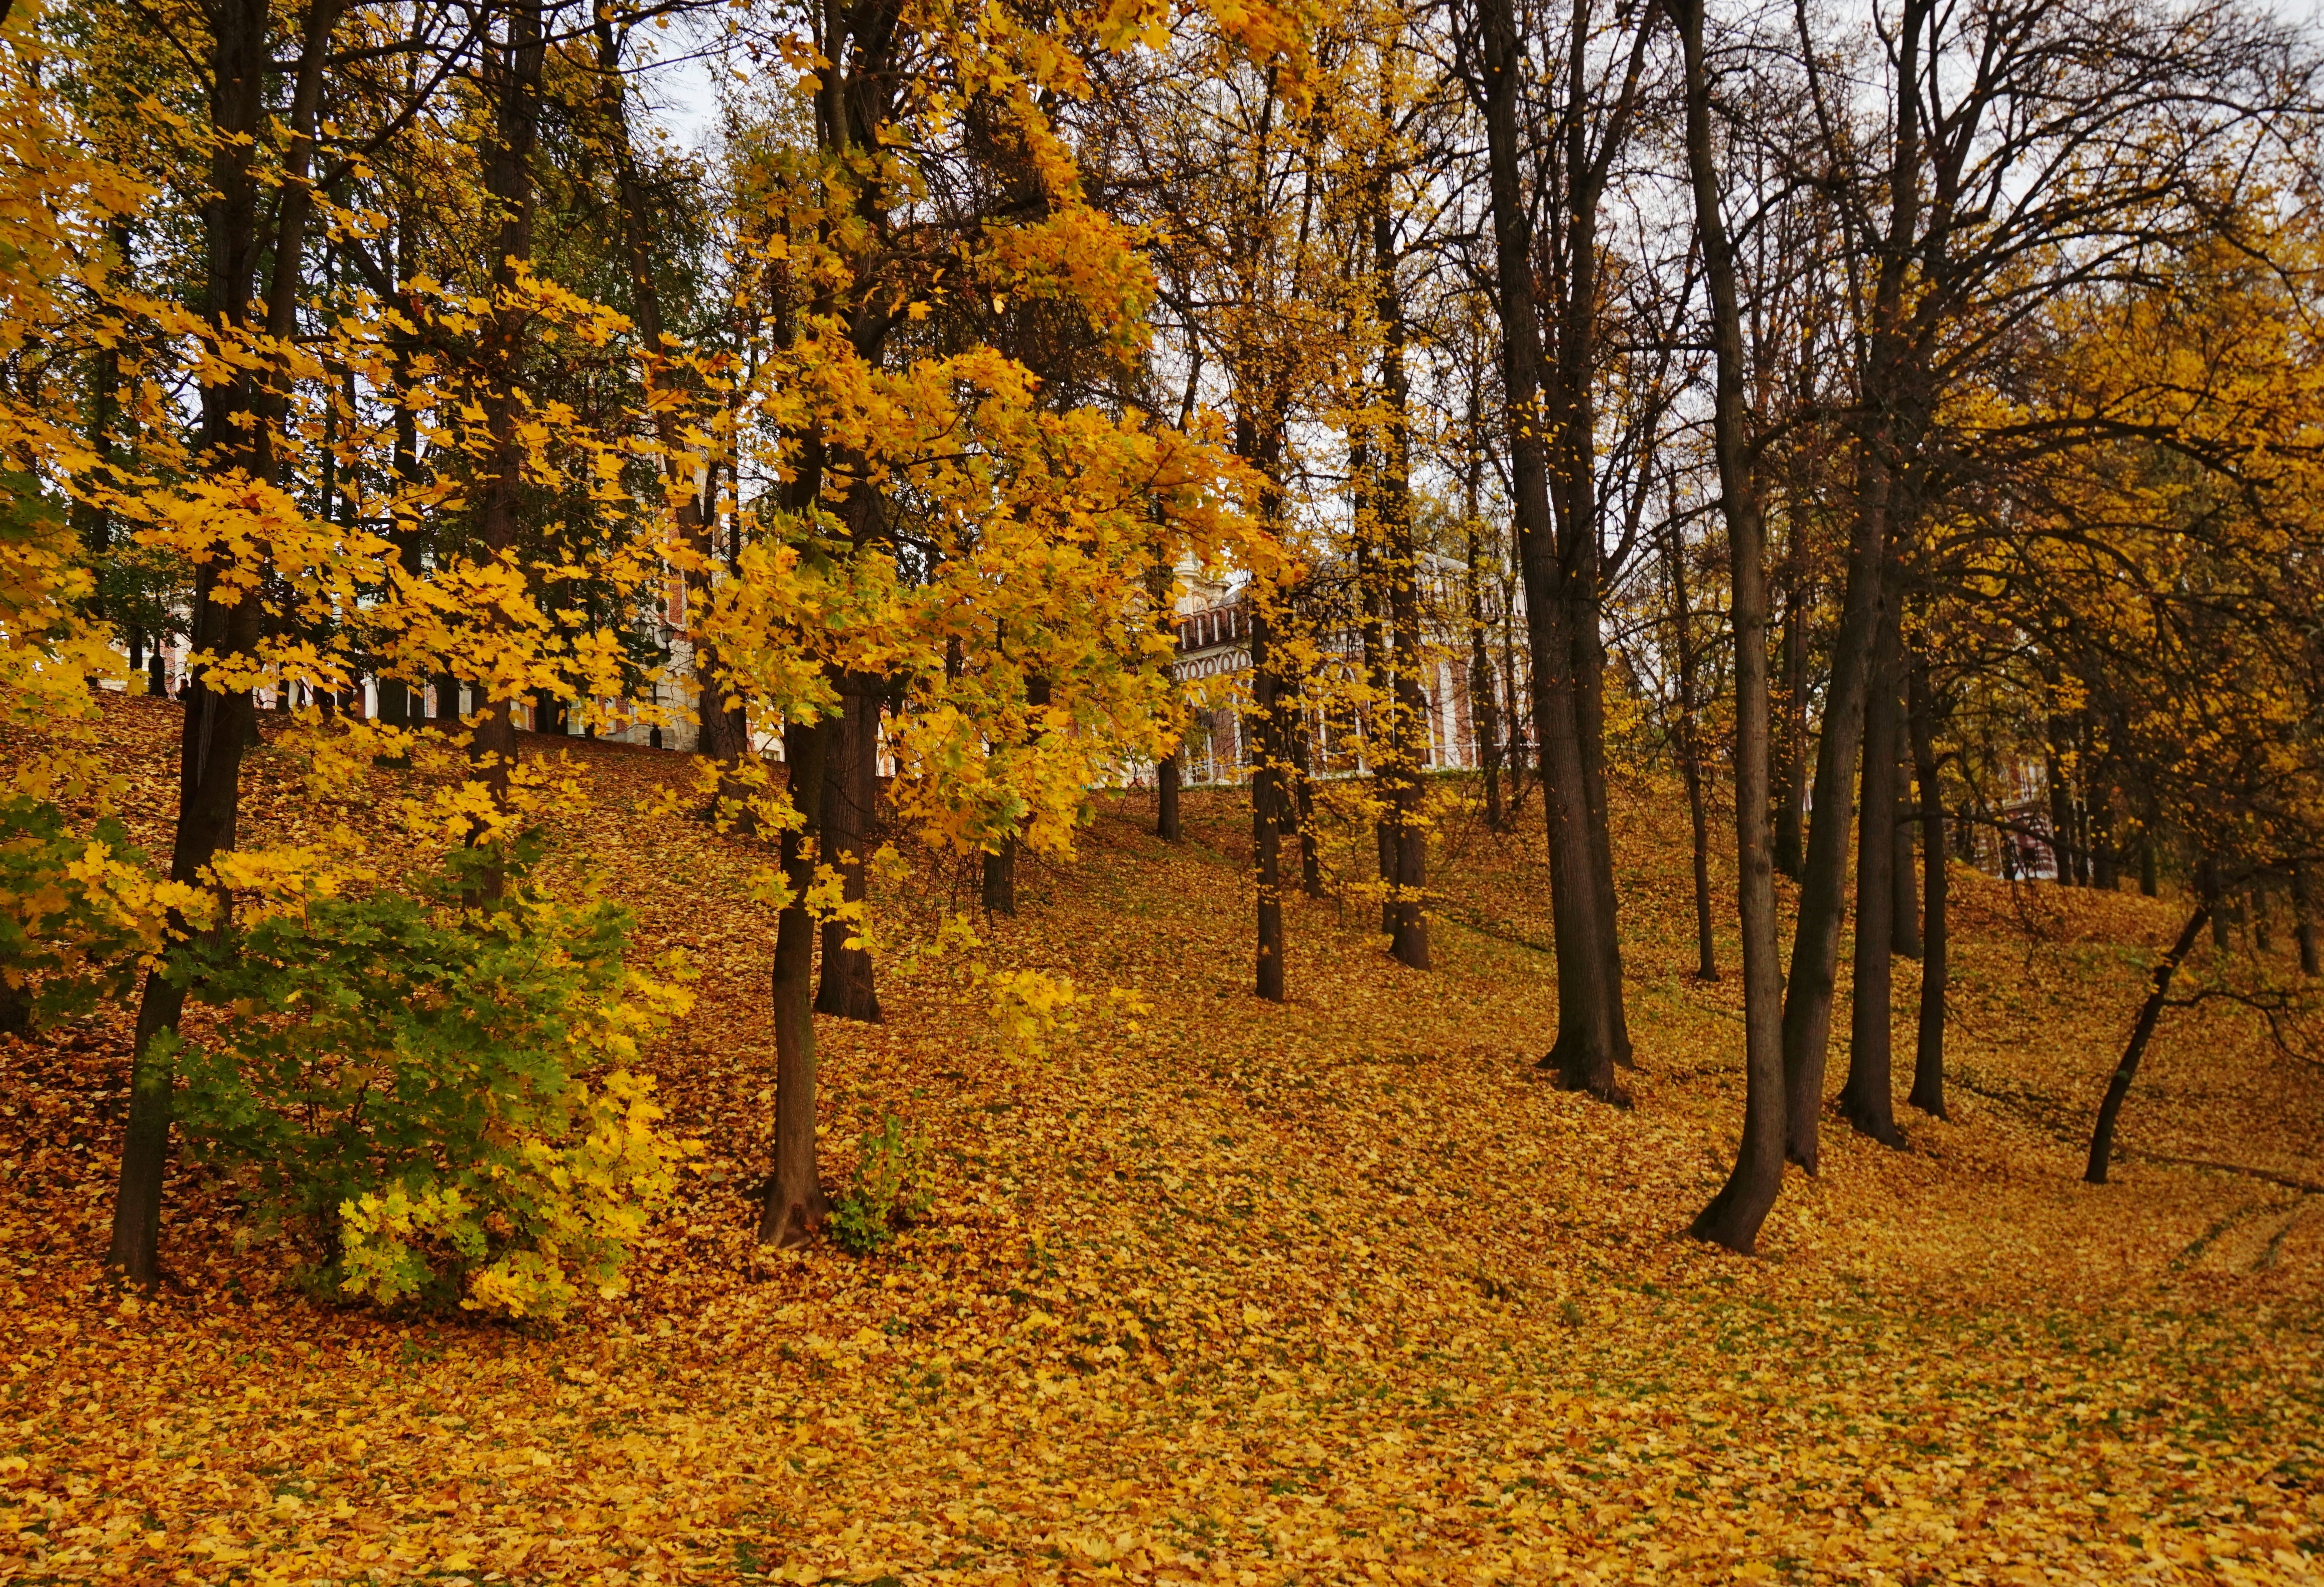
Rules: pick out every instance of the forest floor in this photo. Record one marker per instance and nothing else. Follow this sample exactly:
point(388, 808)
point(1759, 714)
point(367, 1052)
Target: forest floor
point(1343, 1290)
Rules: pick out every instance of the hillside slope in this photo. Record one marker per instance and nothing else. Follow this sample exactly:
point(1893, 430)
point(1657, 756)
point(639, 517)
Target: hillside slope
point(1343, 1290)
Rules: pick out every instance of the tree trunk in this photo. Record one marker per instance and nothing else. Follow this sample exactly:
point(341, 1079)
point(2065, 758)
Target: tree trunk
point(1735, 1214)
point(2303, 901)
point(851, 786)
point(1266, 824)
point(1588, 983)
point(1167, 825)
point(1891, 402)
point(1815, 943)
point(998, 892)
point(1690, 756)
point(1484, 710)
point(1791, 791)
point(793, 1205)
point(1905, 935)
point(1409, 723)
point(514, 81)
point(722, 732)
point(2062, 857)
point(1928, 1053)
point(239, 416)
point(2143, 1032)
point(1302, 815)
point(1867, 1100)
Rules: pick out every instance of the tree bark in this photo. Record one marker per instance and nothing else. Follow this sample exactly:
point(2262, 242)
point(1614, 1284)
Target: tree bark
point(2141, 1033)
point(1405, 844)
point(1893, 407)
point(1301, 815)
point(1587, 1044)
point(513, 80)
point(1167, 823)
point(793, 1205)
point(239, 416)
point(2304, 901)
point(1868, 1099)
point(1791, 792)
point(1484, 709)
point(851, 786)
point(1928, 1093)
point(998, 892)
point(1735, 1214)
point(1266, 824)
point(1689, 757)
point(1905, 937)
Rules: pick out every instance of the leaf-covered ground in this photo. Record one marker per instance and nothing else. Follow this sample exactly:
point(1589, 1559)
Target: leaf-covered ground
point(1340, 1291)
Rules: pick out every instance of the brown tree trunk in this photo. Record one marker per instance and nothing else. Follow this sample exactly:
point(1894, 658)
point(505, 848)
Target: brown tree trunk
point(2063, 859)
point(998, 890)
point(1815, 943)
point(1867, 1100)
point(1302, 815)
point(1484, 709)
point(793, 1205)
point(722, 732)
point(1167, 824)
point(1265, 823)
point(1889, 436)
point(1407, 845)
point(1905, 937)
point(513, 80)
point(239, 419)
point(851, 786)
point(1690, 756)
point(1735, 1214)
point(2303, 902)
point(1792, 743)
point(2143, 1032)
point(1587, 1044)
point(1929, 1052)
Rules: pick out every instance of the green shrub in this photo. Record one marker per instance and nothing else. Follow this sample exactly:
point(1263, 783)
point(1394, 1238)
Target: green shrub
point(75, 914)
point(891, 1190)
point(434, 1098)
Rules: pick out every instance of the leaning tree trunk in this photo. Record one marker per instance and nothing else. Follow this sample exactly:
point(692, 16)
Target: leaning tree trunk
point(793, 1205)
point(1929, 1052)
point(239, 419)
point(2143, 1032)
point(1815, 942)
point(1867, 1100)
point(851, 786)
point(1889, 435)
point(1735, 1214)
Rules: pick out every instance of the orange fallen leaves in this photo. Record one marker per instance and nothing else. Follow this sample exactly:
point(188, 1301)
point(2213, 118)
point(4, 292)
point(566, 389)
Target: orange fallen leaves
point(1340, 1291)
